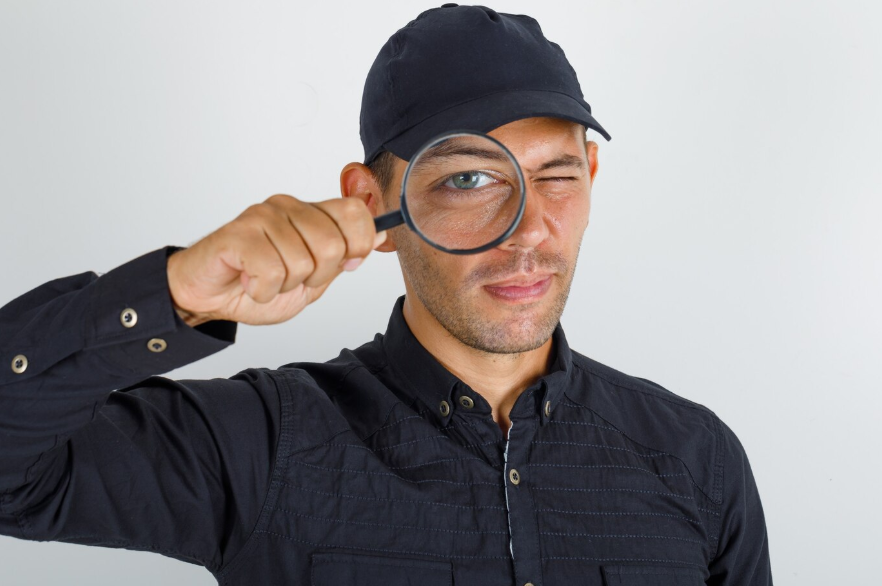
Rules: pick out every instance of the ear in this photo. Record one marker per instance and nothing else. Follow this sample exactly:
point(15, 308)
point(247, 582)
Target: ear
point(591, 151)
point(356, 180)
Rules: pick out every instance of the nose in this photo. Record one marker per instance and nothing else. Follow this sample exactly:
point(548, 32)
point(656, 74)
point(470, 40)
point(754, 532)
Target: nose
point(533, 228)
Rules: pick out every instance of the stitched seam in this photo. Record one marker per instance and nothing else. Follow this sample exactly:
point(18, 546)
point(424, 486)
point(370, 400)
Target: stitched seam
point(616, 489)
point(626, 536)
point(398, 422)
point(605, 466)
point(423, 439)
point(410, 467)
point(582, 558)
point(672, 571)
point(719, 468)
point(695, 484)
point(408, 443)
point(625, 385)
point(388, 526)
point(319, 558)
point(324, 443)
point(388, 551)
point(601, 446)
point(557, 422)
point(373, 373)
point(389, 500)
point(621, 513)
point(372, 473)
point(286, 401)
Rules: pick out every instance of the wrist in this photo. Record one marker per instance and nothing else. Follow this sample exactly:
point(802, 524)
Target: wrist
point(188, 317)
point(191, 319)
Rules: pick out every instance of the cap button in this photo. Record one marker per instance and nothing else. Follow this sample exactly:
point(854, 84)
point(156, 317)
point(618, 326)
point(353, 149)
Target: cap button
point(449, 5)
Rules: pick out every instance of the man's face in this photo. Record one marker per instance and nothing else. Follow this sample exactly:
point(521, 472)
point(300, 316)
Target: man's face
point(467, 294)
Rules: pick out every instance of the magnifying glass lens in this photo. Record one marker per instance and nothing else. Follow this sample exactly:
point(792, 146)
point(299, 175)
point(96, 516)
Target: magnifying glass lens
point(463, 192)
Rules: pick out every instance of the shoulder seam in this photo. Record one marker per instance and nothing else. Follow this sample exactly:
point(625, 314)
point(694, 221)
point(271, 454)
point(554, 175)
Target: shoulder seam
point(682, 402)
point(286, 401)
point(719, 471)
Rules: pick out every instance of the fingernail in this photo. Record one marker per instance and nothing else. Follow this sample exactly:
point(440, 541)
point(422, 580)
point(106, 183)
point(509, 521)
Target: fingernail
point(352, 264)
point(380, 238)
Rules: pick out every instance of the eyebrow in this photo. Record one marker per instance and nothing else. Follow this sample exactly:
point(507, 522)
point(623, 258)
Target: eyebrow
point(449, 150)
point(560, 161)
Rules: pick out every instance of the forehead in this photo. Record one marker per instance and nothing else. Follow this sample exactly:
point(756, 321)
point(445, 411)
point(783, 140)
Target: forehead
point(537, 136)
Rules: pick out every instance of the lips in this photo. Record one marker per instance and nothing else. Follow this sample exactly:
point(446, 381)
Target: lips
point(521, 281)
point(520, 289)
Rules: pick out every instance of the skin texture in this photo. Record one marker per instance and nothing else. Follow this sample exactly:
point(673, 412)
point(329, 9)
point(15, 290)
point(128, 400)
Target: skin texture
point(498, 348)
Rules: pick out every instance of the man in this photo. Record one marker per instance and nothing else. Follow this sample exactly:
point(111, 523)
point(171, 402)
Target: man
point(467, 445)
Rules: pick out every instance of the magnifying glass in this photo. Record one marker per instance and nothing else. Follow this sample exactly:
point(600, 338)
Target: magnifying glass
point(463, 193)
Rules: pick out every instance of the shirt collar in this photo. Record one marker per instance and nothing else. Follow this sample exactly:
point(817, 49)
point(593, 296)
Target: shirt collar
point(442, 392)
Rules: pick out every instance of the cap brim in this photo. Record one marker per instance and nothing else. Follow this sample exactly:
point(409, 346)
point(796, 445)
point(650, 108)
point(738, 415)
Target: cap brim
point(489, 112)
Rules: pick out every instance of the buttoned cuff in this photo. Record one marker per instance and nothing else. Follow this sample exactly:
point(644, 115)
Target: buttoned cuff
point(133, 324)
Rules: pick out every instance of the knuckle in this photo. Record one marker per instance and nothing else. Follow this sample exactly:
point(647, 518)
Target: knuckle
point(360, 249)
point(279, 199)
point(332, 250)
point(276, 272)
point(255, 214)
point(302, 267)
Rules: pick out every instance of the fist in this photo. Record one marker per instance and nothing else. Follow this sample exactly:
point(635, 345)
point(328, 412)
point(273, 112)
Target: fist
point(272, 261)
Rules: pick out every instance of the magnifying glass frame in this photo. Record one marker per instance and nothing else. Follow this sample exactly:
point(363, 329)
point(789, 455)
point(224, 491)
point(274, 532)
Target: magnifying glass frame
point(401, 215)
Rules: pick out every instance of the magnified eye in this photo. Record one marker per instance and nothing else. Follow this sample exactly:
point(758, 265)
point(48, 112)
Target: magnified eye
point(468, 180)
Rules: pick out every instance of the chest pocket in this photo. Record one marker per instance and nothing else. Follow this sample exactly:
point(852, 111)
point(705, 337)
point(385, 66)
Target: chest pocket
point(337, 569)
point(651, 576)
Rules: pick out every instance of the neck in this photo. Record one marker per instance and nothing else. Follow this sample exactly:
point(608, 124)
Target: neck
point(499, 378)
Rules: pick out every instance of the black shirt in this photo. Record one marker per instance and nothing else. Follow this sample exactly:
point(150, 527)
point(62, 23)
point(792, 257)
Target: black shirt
point(376, 467)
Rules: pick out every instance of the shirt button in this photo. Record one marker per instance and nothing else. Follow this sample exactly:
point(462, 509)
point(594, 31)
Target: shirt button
point(156, 344)
point(547, 408)
point(528, 584)
point(514, 476)
point(466, 402)
point(444, 408)
point(128, 317)
point(19, 364)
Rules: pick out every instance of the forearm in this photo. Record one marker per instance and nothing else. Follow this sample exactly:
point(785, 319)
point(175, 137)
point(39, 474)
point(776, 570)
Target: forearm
point(67, 344)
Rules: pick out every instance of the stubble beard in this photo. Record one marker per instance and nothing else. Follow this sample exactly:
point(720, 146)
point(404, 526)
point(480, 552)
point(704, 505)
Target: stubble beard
point(451, 303)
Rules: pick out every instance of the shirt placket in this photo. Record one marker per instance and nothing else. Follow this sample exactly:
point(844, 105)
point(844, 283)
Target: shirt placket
point(522, 523)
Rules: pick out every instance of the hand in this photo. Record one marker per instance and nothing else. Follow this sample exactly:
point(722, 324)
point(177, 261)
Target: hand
point(272, 261)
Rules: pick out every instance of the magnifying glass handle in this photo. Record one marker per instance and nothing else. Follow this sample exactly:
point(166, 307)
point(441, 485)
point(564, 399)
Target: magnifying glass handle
point(389, 220)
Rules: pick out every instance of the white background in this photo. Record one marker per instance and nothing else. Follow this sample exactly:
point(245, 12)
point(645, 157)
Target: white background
point(733, 254)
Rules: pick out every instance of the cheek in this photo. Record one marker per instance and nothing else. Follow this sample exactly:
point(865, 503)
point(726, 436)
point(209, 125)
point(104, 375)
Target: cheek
point(569, 217)
point(434, 265)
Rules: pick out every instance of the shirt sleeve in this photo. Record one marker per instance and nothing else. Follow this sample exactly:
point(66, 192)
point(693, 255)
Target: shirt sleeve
point(97, 449)
point(742, 556)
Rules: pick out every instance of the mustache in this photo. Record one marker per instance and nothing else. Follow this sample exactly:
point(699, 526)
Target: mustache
point(527, 262)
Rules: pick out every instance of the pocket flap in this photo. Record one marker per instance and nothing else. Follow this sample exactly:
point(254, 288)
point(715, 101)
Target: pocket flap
point(651, 576)
point(335, 569)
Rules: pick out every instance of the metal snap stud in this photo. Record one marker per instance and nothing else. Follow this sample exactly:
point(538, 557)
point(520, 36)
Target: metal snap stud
point(156, 344)
point(19, 364)
point(128, 317)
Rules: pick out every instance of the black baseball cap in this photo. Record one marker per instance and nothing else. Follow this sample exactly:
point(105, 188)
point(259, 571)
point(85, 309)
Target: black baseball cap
point(465, 68)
